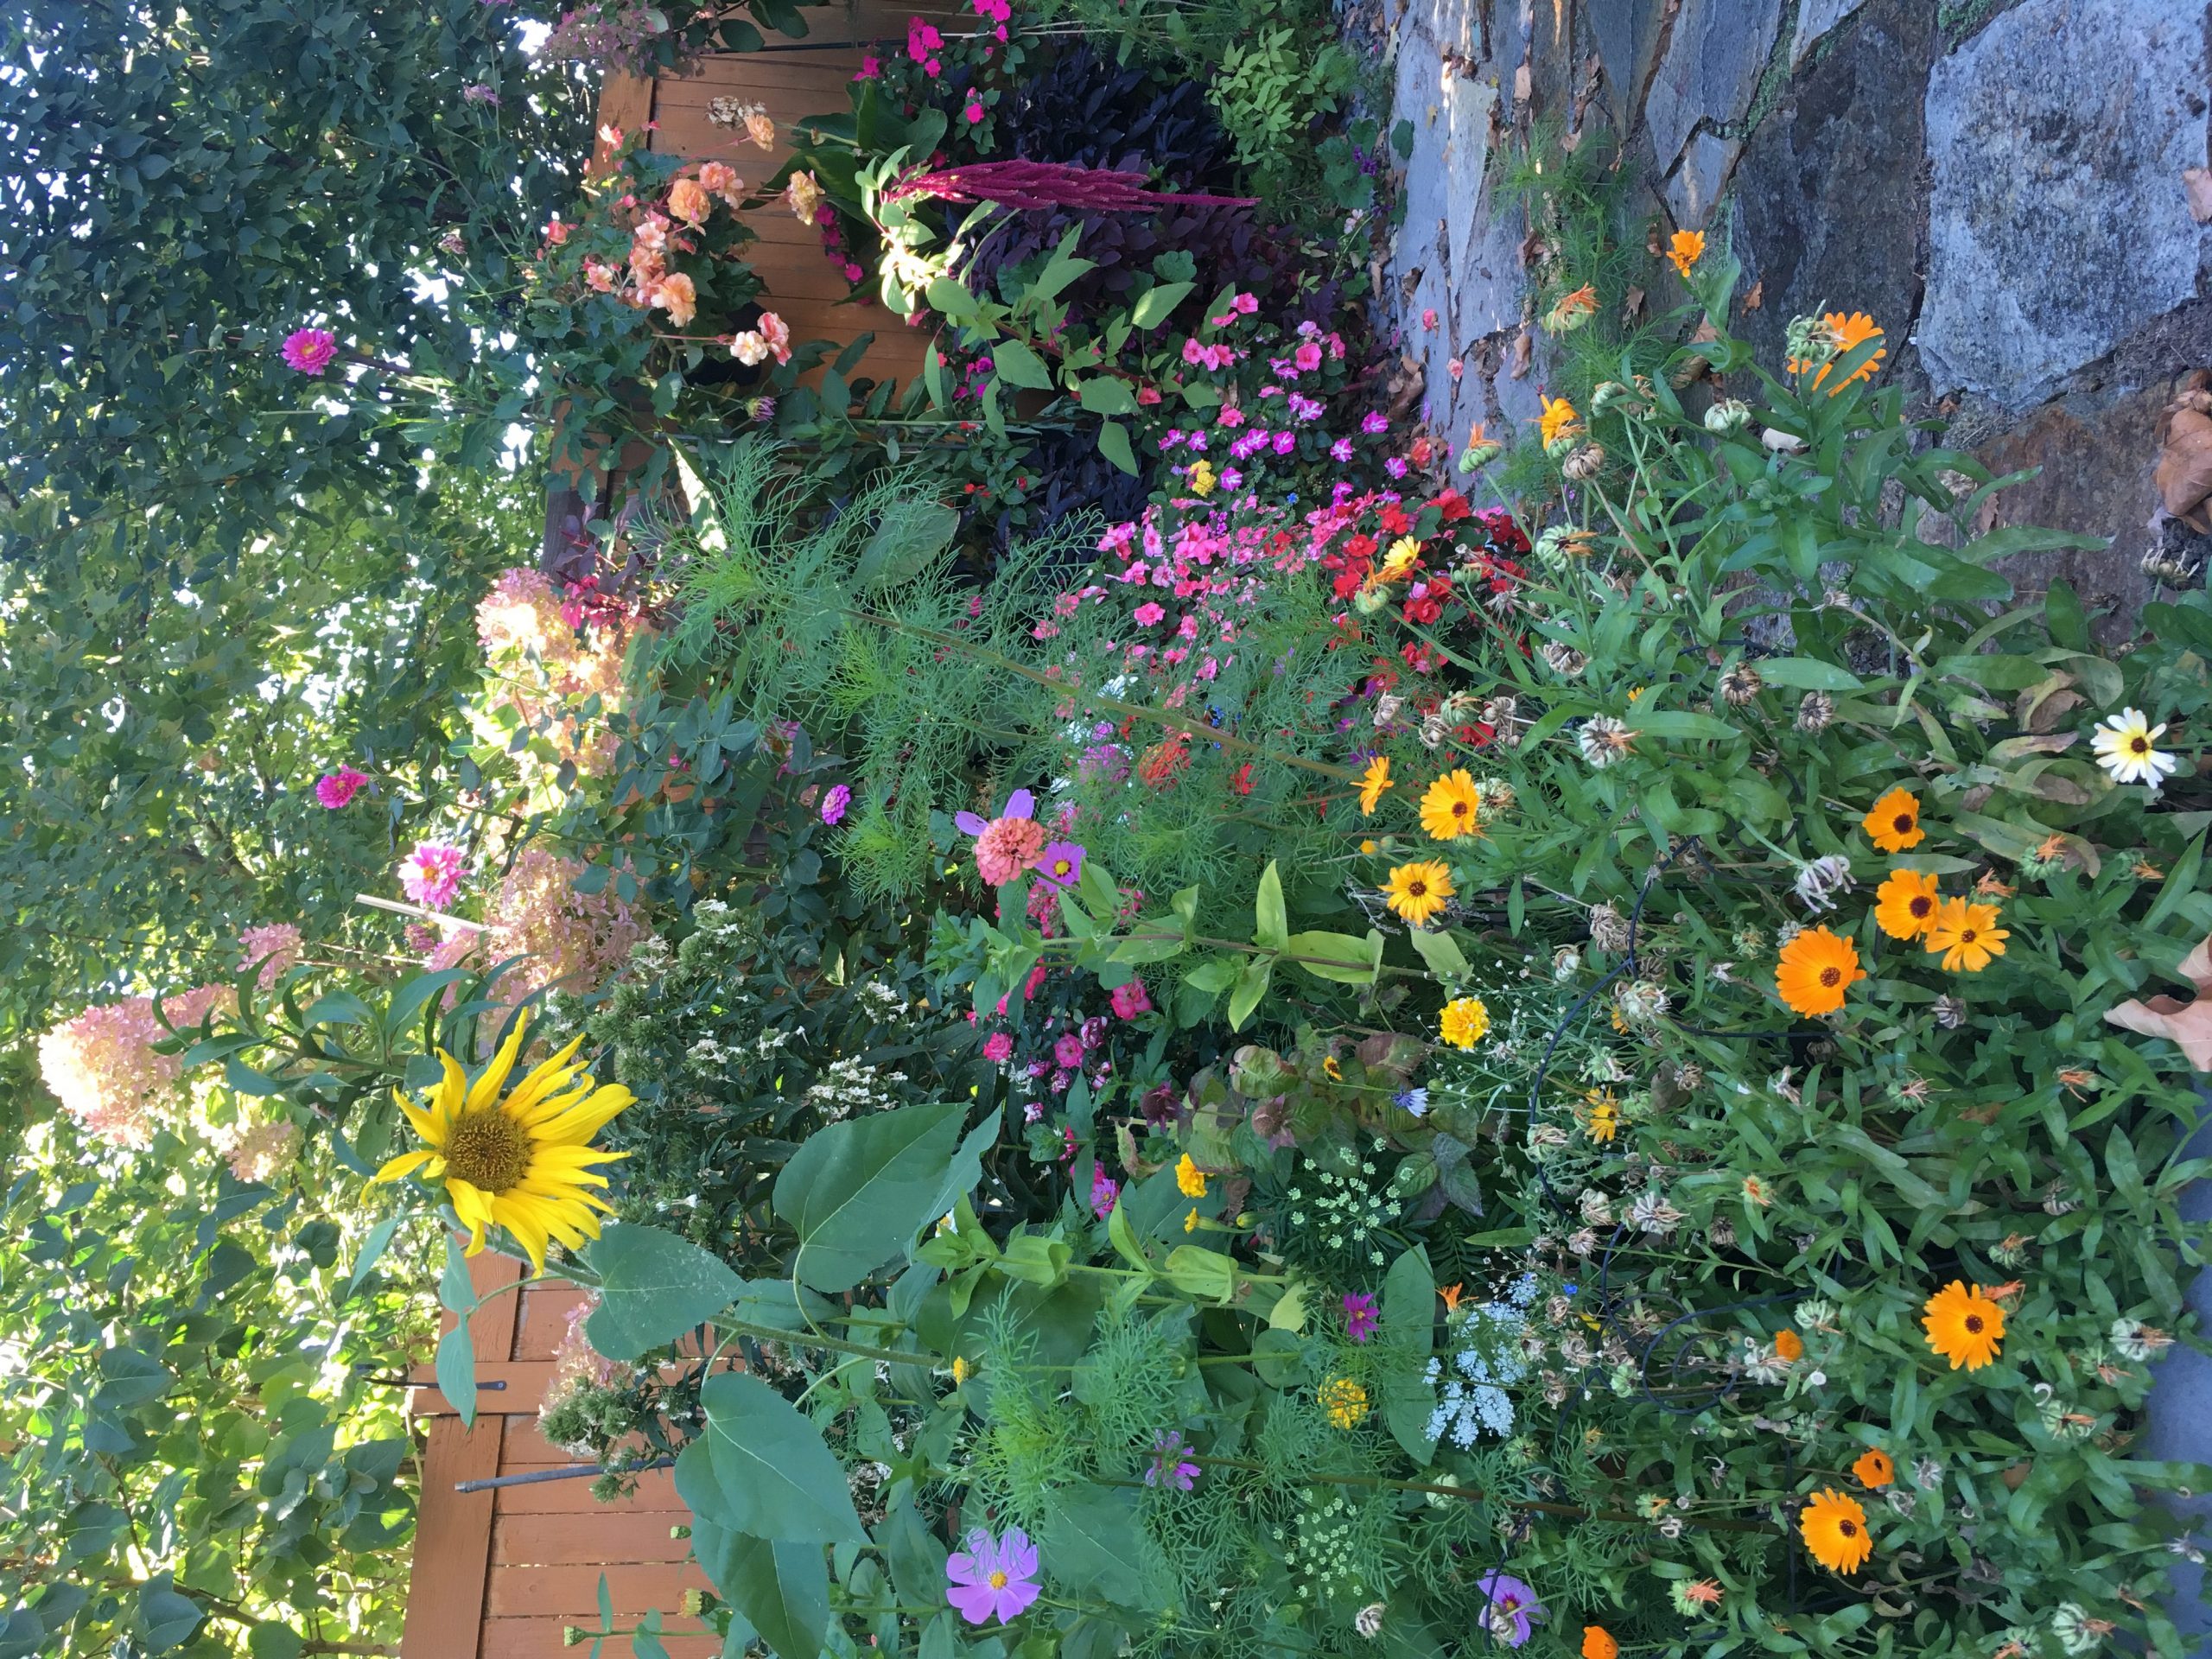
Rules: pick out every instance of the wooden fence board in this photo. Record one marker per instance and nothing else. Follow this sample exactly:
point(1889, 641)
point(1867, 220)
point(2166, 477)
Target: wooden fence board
point(522, 1591)
point(619, 1534)
point(540, 1638)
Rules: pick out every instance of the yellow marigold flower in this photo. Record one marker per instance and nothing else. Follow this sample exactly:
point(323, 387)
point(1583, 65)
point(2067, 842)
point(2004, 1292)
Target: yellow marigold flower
point(1419, 890)
point(1399, 560)
point(1965, 935)
point(1191, 1222)
point(1465, 1021)
point(1345, 1400)
point(1835, 1530)
point(1905, 903)
point(1849, 333)
point(1558, 421)
point(962, 1370)
point(1372, 782)
point(1963, 1325)
point(1816, 969)
point(1188, 1178)
point(1892, 823)
point(1873, 1467)
point(1451, 810)
point(521, 1161)
point(1200, 478)
point(1685, 249)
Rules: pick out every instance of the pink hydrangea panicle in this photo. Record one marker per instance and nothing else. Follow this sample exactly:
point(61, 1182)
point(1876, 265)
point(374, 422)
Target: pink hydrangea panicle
point(431, 875)
point(568, 940)
point(276, 947)
point(261, 1151)
point(577, 1364)
point(309, 351)
point(336, 789)
point(102, 1067)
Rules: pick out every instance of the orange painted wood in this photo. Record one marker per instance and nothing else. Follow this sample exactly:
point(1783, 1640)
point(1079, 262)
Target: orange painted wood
point(525, 1391)
point(573, 1592)
point(619, 1533)
point(452, 1541)
point(543, 1319)
point(540, 1638)
point(656, 1492)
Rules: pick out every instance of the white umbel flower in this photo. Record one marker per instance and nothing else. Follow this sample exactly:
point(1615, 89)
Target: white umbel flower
point(2124, 747)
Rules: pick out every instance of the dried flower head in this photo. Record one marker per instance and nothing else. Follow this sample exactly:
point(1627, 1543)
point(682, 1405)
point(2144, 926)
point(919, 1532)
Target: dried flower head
point(1739, 684)
point(1814, 711)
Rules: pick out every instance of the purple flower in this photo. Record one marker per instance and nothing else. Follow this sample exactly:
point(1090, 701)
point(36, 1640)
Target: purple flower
point(1161, 1105)
point(1068, 1050)
point(1060, 863)
point(431, 874)
point(1285, 442)
point(1340, 450)
point(309, 349)
point(1513, 1605)
point(1169, 1466)
point(993, 1578)
point(1105, 1191)
point(479, 93)
point(1361, 1321)
point(337, 789)
point(1373, 423)
point(1395, 466)
point(1092, 1032)
point(835, 803)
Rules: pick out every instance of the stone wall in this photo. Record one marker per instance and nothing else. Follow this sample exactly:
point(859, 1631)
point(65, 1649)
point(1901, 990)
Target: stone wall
point(2012, 187)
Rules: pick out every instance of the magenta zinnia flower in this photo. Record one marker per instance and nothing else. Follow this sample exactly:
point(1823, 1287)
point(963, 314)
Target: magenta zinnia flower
point(1009, 844)
point(431, 874)
point(336, 789)
point(1361, 1321)
point(993, 1578)
point(309, 349)
point(1512, 1605)
point(835, 803)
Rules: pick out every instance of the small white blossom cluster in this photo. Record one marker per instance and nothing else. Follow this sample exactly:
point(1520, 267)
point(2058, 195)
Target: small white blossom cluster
point(847, 1084)
point(880, 1001)
point(710, 1054)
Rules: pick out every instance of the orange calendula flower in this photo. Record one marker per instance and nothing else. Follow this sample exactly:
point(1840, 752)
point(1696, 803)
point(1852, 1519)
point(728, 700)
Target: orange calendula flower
point(1598, 1643)
point(1419, 890)
point(1963, 1325)
point(1685, 249)
point(1451, 810)
point(1372, 782)
point(1451, 1293)
point(1558, 421)
point(1816, 969)
point(1572, 310)
point(1788, 1345)
point(1892, 823)
point(1705, 1592)
point(1835, 1530)
point(1873, 1467)
point(1965, 935)
point(1905, 903)
point(1849, 333)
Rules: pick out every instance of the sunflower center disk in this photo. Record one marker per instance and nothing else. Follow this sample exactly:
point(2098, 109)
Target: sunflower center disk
point(489, 1150)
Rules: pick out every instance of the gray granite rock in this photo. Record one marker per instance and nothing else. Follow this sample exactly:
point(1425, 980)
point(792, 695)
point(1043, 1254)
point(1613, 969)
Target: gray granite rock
point(1627, 32)
point(1713, 59)
point(1697, 183)
point(2057, 223)
point(1815, 18)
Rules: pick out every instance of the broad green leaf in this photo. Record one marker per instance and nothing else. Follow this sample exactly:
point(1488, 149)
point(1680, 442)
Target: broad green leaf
point(1337, 957)
point(949, 296)
point(654, 1286)
point(373, 1249)
point(770, 1475)
point(1251, 986)
point(1807, 674)
point(1092, 1540)
point(1103, 395)
point(781, 1588)
point(858, 1190)
point(1274, 925)
point(269, 1641)
point(166, 1618)
point(1114, 444)
point(456, 1371)
point(129, 1378)
point(1016, 363)
point(1441, 952)
point(1409, 1322)
point(1153, 309)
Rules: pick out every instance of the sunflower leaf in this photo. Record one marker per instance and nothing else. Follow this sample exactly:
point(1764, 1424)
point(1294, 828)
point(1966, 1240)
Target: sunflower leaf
point(782, 1589)
point(766, 1471)
point(857, 1191)
point(653, 1287)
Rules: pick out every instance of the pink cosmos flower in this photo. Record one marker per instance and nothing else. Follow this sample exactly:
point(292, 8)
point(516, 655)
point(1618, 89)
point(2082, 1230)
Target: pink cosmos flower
point(835, 803)
point(431, 874)
point(1009, 844)
point(336, 789)
point(1131, 999)
point(1361, 1321)
point(993, 1578)
point(998, 1048)
point(308, 351)
point(1061, 864)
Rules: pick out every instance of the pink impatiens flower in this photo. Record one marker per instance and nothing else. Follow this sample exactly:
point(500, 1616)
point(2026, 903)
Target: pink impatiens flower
point(993, 1578)
point(431, 874)
point(974, 112)
point(336, 789)
point(1130, 999)
point(998, 1048)
point(1009, 844)
point(308, 351)
point(1147, 615)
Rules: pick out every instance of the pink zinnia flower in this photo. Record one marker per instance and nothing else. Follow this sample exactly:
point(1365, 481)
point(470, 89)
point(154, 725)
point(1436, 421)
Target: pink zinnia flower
point(1009, 844)
point(835, 803)
point(993, 1578)
point(431, 874)
point(335, 789)
point(998, 1048)
point(309, 349)
point(1131, 999)
point(1105, 1191)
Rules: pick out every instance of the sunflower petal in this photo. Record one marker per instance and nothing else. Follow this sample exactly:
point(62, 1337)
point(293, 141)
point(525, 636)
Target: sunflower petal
point(486, 1089)
point(406, 1164)
point(544, 1079)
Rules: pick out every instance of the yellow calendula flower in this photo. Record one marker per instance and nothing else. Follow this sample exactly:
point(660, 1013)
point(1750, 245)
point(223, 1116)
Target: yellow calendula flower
point(1419, 890)
point(1344, 1400)
point(1835, 1530)
point(1965, 935)
point(1190, 1179)
point(1905, 903)
point(1463, 1021)
point(962, 1370)
point(1451, 809)
point(1399, 560)
point(1963, 1325)
point(521, 1162)
point(1685, 249)
point(1191, 1222)
point(1558, 422)
point(1372, 782)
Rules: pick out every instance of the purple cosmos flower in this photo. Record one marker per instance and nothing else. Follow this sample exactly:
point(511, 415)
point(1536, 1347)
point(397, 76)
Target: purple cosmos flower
point(1513, 1606)
point(431, 874)
point(1361, 1321)
point(1009, 844)
point(1169, 1465)
point(1105, 1191)
point(1061, 864)
point(993, 1578)
point(337, 789)
point(308, 351)
point(835, 803)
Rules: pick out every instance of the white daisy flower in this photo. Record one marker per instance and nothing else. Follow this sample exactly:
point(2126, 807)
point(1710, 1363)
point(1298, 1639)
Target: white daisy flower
point(2123, 745)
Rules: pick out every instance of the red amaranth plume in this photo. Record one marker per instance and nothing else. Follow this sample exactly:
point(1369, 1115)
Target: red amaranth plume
point(1047, 184)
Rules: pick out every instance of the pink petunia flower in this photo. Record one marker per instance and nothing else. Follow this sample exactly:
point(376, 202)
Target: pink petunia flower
point(308, 351)
point(993, 1578)
point(337, 789)
point(431, 874)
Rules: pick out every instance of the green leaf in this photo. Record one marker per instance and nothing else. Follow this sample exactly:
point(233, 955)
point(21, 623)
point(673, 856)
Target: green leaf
point(1094, 1543)
point(654, 1286)
point(1114, 444)
point(456, 1371)
point(130, 1378)
point(1103, 395)
point(1337, 957)
point(914, 1554)
point(911, 534)
point(1441, 952)
point(1205, 1274)
point(951, 297)
point(1015, 363)
point(768, 1472)
point(1153, 309)
point(1274, 925)
point(1251, 986)
point(373, 1249)
point(1409, 1322)
point(269, 1641)
point(857, 1191)
point(1807, 674)
point(166, 1618)
point(2064, 617)
point(781, 1588)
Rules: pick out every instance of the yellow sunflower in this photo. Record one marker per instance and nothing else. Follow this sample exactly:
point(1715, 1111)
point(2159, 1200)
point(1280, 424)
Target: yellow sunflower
point(1905, 903)
point(1965, 935)
point(1963, 1325)
point(1892, 823)
point(523, 1162)
point(1451, 810)
point(1419, 890)
point(1835, 1528)
point(1372, 782)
